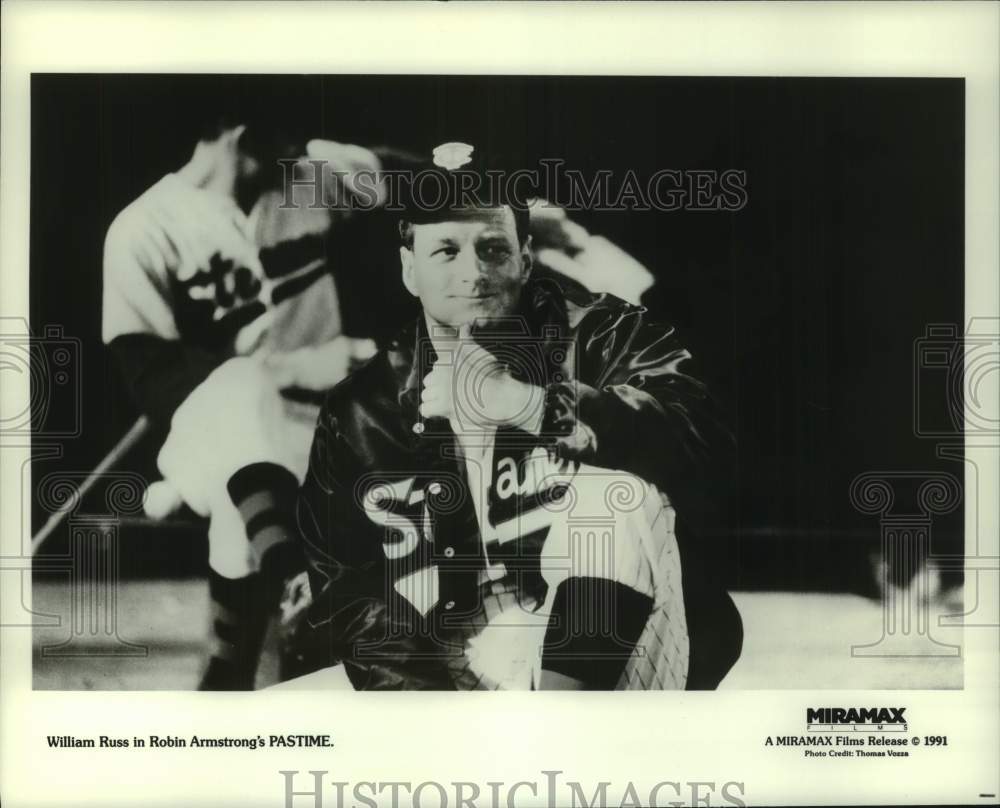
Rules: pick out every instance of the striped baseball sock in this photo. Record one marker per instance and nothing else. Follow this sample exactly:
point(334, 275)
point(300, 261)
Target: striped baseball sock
point(264, 494)
point(238, 623)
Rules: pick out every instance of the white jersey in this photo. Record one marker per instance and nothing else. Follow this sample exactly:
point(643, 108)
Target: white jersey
point(184, 263)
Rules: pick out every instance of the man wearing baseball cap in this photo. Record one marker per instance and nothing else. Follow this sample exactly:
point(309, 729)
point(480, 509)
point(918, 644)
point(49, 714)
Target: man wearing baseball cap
point(512, 493)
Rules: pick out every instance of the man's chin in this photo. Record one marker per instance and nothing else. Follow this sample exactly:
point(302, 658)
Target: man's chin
point(482, 315)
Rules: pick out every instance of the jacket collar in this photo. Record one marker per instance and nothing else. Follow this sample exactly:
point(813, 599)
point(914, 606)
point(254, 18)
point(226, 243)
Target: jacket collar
point(411, 354)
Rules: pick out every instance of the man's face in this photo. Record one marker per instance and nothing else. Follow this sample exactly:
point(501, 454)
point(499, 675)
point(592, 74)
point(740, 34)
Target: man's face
point(471, 268)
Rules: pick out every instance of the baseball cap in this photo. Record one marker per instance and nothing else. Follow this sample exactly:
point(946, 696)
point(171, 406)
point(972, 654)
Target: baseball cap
point(457, 178)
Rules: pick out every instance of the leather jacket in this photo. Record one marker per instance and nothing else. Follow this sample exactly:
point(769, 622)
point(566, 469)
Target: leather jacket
point(620, 394)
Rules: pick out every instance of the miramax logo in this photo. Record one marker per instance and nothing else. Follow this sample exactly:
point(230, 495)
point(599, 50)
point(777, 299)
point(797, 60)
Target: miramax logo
point(872, 719)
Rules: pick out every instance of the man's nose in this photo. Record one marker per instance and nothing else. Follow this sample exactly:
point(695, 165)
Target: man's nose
point(468, 267)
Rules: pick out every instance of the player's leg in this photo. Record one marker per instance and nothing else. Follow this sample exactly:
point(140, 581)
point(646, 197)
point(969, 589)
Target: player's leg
point(234, 458)
point(264, 495)
point(615, 605)
point(238, 621)
point(612, 612)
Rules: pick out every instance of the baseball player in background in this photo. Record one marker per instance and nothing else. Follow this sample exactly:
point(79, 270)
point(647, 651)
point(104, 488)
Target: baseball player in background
point(217, 287)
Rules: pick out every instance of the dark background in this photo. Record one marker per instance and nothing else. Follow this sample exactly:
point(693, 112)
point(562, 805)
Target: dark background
point(802, 308)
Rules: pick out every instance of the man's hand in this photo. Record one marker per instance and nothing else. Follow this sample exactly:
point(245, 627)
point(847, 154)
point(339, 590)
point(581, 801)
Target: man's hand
point(475, 389)
point(598, 264)
point(349, 171)
point(552, 229)
point(319, 367)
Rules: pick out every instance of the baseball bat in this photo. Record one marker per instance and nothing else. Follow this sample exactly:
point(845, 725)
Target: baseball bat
point(137, 431)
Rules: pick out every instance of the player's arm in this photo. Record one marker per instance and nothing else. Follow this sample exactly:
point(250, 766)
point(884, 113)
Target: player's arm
point(161, 373)
point(637, 406)
point(137, 320)
point(319, 367)
point(356, 617)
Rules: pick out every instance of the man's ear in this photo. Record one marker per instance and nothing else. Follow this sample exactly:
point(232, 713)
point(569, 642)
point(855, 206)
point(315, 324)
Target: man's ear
point(406, 262)
point(527, 260)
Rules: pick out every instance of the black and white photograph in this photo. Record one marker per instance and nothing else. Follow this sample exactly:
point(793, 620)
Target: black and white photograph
point(459, 382)
point(546, 364)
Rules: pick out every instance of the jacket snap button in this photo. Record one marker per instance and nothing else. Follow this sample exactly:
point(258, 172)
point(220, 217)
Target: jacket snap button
point(435, 488)
point(449, 605)
point(449, 552)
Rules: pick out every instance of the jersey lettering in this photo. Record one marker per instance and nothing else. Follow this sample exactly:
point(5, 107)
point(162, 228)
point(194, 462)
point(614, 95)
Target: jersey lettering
point(540, 472)
point(398, 508)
